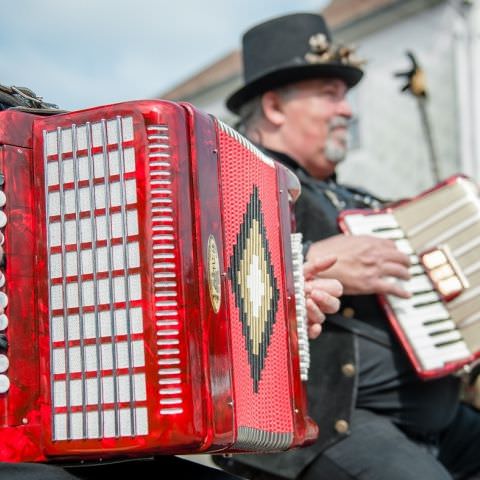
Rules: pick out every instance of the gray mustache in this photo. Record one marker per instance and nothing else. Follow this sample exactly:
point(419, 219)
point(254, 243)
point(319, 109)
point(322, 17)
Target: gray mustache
point(338, 122)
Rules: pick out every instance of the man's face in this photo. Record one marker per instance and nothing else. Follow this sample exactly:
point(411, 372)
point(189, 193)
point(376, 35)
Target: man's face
point(314, 125)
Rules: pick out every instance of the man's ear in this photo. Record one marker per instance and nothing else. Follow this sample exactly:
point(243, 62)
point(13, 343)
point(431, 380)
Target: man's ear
point(272, 105)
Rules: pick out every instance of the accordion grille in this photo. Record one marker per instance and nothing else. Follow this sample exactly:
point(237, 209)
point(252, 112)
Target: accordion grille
point(259, 343)
point(97, 352)
point(165, 268)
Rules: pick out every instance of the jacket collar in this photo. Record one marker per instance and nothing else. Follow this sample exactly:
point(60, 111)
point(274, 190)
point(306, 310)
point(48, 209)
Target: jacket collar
point(289, 162)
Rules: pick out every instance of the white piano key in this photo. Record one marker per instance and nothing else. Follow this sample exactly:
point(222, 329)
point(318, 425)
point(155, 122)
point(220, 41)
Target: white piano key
point(416, 301)
point(421, 339)
point(447, 325)
point(416, 270)
point(405, 247)
point(435, 311)
point(417, 284)
point(450, 353)
point(451, 336)
point(412, 326)
point(406, 313)
point(383, 220)
point(428, 353)
point(425, 298)
point(418, 336)
point(391, 234)
point(414, 260)
point(357, 223)
point(431, 363)
point(367, 223)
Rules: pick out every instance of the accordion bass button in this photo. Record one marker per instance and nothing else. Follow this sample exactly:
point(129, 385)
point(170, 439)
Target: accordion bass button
point(3, 300)
point(4, 363)
point(3, 321)
point(2, 279)
point(4, 384)
point(3, 219)
point(3, 198)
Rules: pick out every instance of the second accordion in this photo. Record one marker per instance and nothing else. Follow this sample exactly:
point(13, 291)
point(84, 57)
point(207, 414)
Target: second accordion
point(439, 326)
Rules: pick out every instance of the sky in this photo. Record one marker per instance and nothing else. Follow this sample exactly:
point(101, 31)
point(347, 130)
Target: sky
point(95, 52)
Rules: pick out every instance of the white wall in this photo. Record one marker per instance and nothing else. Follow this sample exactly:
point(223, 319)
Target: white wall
point(393, 159)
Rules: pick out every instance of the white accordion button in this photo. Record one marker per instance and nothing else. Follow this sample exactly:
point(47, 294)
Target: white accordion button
point(2, 279)
point(3, 198)
point(4, 384)
point(3, 321)
point(3, 299)
point(4, 363)
point(3, 219)
point(2, 239)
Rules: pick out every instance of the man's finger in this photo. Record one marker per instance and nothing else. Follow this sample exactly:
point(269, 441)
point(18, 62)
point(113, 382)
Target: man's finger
point(391, 286)
point(396, 270)
point(325, 302)
point(315, 318)
point(312, 267)
point(329, 285)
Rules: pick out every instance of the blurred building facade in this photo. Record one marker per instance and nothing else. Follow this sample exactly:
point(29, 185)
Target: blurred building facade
point(389, 153)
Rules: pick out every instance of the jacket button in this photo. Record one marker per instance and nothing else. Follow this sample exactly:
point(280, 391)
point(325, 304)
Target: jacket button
point(341, 426)
point(348, 312)
point(348, 369)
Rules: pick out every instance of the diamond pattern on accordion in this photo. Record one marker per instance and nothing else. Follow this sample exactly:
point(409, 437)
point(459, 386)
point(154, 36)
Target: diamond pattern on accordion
point(254, 286)
point(98, 384)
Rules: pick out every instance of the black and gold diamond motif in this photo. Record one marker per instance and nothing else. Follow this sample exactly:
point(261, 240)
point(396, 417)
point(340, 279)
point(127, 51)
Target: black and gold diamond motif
point(254, 286)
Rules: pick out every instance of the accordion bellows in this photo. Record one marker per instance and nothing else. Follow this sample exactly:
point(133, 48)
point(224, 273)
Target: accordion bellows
point(150, 283)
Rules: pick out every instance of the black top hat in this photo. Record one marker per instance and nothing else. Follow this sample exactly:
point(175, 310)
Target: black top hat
point(289, 49)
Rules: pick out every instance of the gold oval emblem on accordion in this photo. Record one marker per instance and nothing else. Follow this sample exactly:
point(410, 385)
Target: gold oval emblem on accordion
point(214, 284)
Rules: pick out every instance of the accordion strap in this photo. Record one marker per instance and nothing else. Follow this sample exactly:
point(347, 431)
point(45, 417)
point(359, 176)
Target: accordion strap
point(25, 100)
point(362, 329)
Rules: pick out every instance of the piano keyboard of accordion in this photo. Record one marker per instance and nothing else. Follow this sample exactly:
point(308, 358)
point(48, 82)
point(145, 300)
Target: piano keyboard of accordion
point(150, 286)
point(440, 334)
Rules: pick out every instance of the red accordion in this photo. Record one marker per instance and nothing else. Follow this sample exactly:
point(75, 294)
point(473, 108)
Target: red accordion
point(149, 292)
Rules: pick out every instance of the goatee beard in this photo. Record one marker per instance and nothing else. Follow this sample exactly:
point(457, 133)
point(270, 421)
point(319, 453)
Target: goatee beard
point(334, 152)
point(335, 149)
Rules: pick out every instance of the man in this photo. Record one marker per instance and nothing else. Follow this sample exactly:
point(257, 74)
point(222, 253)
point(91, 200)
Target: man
point(377, 419)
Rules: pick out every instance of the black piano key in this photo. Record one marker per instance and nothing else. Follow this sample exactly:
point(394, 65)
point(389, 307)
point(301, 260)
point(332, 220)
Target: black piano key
point(447, 343)
point(425, 303)
point(441, 332)
point(389, 229)
point(433, 321)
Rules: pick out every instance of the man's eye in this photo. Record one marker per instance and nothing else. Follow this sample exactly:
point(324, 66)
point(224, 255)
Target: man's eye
point(332, 93)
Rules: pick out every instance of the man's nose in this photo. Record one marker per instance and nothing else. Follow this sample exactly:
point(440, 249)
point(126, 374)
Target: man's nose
point(344, 109)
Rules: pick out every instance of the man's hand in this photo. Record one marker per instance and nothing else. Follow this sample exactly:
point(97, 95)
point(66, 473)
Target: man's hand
point(321, 293)
point(365, 264)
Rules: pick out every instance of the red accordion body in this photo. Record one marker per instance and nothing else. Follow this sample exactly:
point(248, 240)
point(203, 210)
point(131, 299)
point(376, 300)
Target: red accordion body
point(151, 301)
